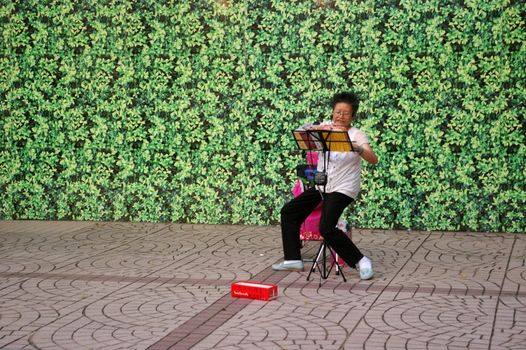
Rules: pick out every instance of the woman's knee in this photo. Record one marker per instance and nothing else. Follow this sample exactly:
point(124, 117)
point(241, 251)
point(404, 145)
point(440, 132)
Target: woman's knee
point(288, 213)
point(285, 210)
point(326, 230)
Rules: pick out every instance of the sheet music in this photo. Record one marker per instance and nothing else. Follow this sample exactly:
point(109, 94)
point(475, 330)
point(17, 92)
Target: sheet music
point(321, 138)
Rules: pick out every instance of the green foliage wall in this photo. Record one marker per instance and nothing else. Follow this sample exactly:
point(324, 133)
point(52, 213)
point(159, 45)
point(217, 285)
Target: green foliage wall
point(182, 111)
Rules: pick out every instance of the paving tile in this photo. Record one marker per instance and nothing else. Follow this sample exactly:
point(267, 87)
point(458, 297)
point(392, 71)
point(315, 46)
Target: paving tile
point(86, 285)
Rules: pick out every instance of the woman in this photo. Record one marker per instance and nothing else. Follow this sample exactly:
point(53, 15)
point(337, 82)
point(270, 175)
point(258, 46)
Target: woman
point(343, 170)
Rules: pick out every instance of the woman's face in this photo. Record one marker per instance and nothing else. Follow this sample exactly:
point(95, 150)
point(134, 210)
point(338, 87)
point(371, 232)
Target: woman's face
point(342, 115)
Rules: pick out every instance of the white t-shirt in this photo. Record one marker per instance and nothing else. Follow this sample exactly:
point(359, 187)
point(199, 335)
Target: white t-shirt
point(344, 168)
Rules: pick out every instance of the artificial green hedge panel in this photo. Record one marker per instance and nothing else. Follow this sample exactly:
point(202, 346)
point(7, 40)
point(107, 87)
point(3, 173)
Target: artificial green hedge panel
point(183, 111)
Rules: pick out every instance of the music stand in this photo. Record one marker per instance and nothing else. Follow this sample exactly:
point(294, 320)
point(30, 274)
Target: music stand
point(323, 140)
point(326, 141)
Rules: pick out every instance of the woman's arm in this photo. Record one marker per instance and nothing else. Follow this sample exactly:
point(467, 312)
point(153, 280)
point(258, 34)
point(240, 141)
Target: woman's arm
point(366, 152)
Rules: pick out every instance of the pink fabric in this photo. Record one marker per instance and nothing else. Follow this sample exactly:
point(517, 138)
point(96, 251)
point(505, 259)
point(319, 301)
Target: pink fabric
point(312, 158)
point(298, 188)
point(309, 230)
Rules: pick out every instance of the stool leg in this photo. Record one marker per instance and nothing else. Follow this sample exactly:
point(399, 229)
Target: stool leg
point(322, 267)
point(338, 267)
point(324, 273)
point(315, 263)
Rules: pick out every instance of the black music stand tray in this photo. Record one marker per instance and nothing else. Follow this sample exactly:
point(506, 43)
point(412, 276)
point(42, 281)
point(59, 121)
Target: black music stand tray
point(323, 140)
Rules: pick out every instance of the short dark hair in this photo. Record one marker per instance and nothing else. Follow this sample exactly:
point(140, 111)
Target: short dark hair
point(347, 97)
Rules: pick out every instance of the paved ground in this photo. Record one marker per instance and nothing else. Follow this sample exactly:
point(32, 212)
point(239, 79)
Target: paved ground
point(85, 285)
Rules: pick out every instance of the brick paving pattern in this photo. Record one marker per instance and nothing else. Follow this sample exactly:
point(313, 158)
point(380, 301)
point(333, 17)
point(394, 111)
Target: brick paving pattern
point(88, 285)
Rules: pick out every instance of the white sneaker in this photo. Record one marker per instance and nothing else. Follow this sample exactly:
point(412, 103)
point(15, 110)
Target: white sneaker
point(289, 265)
point(365, 266)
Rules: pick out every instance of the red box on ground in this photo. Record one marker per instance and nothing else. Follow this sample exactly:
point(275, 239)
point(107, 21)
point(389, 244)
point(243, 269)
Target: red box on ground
point(254, 290)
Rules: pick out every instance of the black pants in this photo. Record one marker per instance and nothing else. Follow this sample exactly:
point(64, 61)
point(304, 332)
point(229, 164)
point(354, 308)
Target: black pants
point(294, 213)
